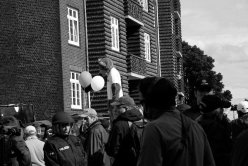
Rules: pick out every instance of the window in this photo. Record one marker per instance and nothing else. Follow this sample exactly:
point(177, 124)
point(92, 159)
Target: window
point(73, 26)
point(147, 47)
point(144, 4)
point(76, 97)
point(115, 34)
point(172, 24)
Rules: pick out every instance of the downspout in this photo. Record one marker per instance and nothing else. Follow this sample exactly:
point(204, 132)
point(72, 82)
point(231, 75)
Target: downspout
point(86, 45)
point(158, 40)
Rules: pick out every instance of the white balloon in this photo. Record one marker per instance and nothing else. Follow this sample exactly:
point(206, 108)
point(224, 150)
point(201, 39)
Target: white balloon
point(97, 83)
point(85, 79)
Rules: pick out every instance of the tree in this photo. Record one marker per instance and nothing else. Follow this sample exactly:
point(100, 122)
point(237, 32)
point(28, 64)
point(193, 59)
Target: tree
point(227, 95)
point(197, 65)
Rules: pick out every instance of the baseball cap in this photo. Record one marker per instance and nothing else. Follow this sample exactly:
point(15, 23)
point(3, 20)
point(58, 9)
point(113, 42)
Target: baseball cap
point(30, 130)
point(124, 100)
point(243, 106)
point(88, 112)
point(203, 85)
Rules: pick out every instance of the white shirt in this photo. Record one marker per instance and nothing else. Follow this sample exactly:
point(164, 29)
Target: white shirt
point(113, 77)
point(35, 147)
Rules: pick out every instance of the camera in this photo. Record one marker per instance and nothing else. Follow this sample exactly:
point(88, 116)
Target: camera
point(14, 131)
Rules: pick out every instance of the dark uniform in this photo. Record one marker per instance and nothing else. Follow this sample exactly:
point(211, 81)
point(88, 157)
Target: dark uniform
point(66, 151)
point(63, 149)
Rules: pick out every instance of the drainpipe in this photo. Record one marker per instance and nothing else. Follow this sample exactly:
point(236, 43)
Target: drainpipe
point(158, 42)
point(86, 45)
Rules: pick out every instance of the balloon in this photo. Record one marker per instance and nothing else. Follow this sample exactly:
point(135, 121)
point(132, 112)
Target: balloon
point(97, 83)
point(85, 79)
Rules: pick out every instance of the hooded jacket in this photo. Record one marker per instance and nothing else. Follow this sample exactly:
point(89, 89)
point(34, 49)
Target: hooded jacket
point(174, 140)
point(119, 140)
point(96, 139)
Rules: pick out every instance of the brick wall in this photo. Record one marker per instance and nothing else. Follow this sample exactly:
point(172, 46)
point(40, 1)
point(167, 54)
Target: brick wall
point(73, 57)
point(30, 55)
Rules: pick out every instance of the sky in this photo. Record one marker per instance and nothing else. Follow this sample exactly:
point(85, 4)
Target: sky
point(220, 29)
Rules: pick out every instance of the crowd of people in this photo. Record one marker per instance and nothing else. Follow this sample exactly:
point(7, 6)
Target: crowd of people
point(171, 134)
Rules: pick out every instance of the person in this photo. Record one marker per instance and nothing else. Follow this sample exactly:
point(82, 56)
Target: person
point(63, 149)
point(114, 86)
point(170, 138)
point(240, 124)
point(119, 141)
point(240, 150)
point(202, 88)
point(181, 106)
point(96, 138)
point(217, 128)
point(35, 146)
point(14, 150)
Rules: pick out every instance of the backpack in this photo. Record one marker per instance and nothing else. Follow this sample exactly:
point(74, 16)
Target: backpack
point(136, 133)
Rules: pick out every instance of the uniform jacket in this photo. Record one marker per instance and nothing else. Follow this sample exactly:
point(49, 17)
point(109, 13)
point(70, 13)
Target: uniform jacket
point(119, 140)
point(174, 140)
point(96, 139)
point(67, 151)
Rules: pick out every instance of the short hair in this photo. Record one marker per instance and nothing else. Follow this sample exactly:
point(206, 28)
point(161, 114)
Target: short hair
point(158, 92)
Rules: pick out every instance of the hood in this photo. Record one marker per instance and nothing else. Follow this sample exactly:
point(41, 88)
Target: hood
point(131, 115)
point(106, 63)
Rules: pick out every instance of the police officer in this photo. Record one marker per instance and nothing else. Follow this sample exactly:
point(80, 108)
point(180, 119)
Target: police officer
point(63, 149)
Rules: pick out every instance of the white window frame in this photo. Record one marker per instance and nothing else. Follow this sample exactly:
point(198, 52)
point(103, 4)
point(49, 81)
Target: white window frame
point(172, 23)
point(147, 42)
point(73, 26)
point(76, 95)
point(145, 5)
point(115, 42)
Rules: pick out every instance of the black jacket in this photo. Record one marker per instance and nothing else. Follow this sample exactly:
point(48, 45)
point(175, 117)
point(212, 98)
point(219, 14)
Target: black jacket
point(239, 125)
point(218, 131)
point(119, 139)
point(193, 112)
point(66, 151)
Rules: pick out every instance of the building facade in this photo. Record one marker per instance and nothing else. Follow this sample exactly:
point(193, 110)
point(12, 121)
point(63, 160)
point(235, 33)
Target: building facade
point(126, 32)
point(170, 40)
point(42, 51)
point(45, 45)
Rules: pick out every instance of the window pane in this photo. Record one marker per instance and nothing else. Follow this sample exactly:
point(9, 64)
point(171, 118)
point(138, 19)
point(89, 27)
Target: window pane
point(75, 31)
point(72, 76)
point(70, 12)
point(74, 14)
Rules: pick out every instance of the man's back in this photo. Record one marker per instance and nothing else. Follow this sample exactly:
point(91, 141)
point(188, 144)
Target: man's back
point(35, 147)
point(176, 140)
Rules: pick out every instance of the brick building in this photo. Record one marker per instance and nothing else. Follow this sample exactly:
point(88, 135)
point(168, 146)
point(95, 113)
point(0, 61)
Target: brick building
point(42, 50)
point(45, 45)
point(170, 39)
point(126, 32)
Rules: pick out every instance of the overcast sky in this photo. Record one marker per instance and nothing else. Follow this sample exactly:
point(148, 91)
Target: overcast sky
point(220, 29)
